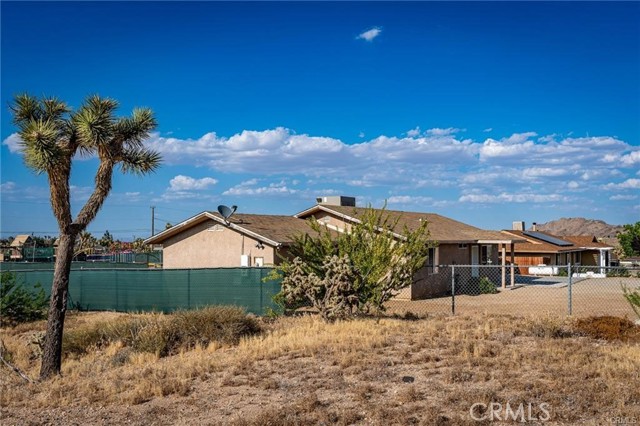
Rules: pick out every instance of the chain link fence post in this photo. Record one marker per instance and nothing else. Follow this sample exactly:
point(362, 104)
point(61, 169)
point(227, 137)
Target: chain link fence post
point(453, 290)
point(570, 295)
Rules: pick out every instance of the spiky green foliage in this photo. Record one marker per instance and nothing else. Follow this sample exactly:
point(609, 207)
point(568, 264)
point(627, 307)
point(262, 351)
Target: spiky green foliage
point(629, 240)
point(633, 297)
point(383, 259)
point(18, 304)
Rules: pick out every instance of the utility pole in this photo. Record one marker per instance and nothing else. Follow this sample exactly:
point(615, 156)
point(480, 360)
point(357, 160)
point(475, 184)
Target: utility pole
point(153, 219)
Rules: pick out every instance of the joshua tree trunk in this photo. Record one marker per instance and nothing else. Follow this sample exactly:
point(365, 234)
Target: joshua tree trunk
point(52, 354)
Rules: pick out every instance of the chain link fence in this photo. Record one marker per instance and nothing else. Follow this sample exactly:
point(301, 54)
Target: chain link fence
point(545, 290)
point(443, 289)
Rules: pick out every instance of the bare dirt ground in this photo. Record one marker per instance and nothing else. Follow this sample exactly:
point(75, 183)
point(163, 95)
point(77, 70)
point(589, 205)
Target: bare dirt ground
point(594, 296)
point(302, 371)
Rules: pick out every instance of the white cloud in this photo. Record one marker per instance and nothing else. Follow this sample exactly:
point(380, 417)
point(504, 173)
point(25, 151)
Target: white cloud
point(488, 129)
point(80, 192)
point(249, 188)
point(623, 197)
point(361, 135)
point(443, 132)
point(409, 199)
point(369, 34)
point(7, 187)
point(622, 159)
point(13, 142)
point(437, 158)
point(186, 183)
point(511, 198)
point(627, 184)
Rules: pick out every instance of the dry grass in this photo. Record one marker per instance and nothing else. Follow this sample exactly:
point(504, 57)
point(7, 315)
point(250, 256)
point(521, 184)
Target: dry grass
point(302, 371)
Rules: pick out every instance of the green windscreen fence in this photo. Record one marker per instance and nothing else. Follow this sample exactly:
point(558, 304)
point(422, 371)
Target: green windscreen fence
point(163, 290)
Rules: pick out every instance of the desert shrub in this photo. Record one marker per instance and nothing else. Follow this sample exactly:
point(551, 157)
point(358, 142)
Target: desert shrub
point(618, 272)
point(17, 304)
point(486, 286)
point(475, 286)
point(633, 297)
point(165, 334)
point(353, 272)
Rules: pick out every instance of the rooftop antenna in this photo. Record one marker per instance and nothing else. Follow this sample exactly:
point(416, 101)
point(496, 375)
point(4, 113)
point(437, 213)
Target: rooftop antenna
point(226, 212)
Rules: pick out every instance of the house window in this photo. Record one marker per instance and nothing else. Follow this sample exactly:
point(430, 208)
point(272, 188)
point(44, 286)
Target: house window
point(486, 254)
point(462, 246)
point(432, 261)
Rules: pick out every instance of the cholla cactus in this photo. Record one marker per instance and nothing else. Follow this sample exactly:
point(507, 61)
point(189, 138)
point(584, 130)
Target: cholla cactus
point(333, 296)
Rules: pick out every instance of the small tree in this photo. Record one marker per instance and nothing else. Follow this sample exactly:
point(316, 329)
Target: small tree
point(380, 262)
point(18, 304)
point(107, 240)
point(629, 240)
point(51, 136)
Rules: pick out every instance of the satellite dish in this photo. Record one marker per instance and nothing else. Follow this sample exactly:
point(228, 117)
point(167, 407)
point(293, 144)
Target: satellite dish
point(226, 212)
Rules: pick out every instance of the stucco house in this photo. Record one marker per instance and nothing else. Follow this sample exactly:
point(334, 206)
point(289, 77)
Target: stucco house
point(541, 248)
point(207, 240)
point(456, 243)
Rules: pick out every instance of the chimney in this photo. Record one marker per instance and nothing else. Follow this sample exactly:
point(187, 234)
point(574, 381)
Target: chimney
point(534, 227)
point(518, 226)
point(337, 200)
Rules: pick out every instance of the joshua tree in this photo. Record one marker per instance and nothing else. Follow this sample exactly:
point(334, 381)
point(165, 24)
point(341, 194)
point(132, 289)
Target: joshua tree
point(52, 135)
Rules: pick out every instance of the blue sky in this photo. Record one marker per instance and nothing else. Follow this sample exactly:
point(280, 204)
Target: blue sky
point(484, 112)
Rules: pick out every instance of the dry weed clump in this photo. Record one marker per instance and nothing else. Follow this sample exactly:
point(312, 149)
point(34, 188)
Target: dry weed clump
point(609, 328)
point(164, 334)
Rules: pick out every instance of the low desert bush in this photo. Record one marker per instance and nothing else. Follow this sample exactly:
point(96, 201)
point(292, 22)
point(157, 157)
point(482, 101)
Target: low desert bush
point(618, 272)
point(633, 297)
point(487, 286)
point(17, 304)
point(164, 334)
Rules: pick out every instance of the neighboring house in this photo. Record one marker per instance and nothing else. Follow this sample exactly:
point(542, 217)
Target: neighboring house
point(455, 242)
point(208, 241)
point(17, 245)
point(540, 248)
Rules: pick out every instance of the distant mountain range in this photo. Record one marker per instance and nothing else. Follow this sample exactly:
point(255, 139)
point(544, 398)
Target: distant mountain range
point(580, 226)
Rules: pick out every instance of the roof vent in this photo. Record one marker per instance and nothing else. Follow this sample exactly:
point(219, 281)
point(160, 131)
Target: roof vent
point(518, 225)
point(337, 200)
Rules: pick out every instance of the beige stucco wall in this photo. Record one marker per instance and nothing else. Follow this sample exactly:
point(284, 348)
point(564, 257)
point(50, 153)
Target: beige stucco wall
point(200, 247)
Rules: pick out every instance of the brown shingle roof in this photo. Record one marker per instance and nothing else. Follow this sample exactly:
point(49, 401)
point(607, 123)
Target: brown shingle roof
point(441, 228)
point(586, 241)
point(534, 245)
point(276, 228)
point(272, 229)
